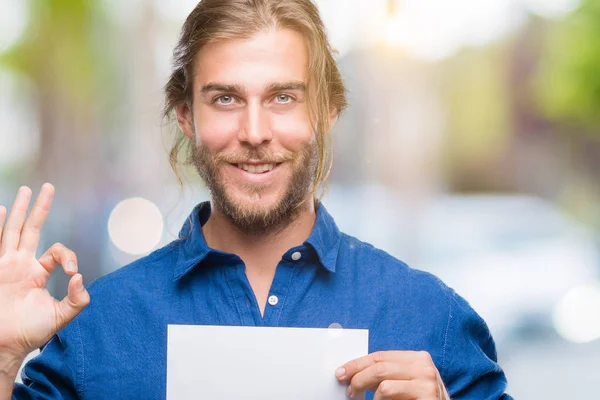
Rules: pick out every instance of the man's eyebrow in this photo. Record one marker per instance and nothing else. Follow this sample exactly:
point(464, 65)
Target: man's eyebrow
point(218, 87)
point(282, 87)
point(235, 88)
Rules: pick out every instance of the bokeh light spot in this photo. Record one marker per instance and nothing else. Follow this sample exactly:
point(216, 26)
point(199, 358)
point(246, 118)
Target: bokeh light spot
point(577, 315)
point(135, 226)
point(13, 22)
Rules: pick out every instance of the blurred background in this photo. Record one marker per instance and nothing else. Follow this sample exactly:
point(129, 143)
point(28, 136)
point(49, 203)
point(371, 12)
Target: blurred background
point(471, 149)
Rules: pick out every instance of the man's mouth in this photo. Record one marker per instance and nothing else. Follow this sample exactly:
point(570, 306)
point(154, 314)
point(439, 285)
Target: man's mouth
point(257, 168)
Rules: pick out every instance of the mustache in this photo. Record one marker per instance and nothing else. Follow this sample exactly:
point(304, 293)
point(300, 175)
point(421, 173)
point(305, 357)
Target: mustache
point(261, 155)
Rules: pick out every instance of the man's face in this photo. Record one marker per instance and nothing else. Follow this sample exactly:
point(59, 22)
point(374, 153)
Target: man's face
point(255, 147)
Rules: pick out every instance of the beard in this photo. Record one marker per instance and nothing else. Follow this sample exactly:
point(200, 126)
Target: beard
point(251, 218)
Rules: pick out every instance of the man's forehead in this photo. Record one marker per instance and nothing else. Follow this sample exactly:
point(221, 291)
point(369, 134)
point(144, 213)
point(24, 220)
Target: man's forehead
point(276, 56)
point(260, 41)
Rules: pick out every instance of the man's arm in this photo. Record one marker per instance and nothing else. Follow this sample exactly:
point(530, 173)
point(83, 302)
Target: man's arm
point(9, 367)
point(469, 363)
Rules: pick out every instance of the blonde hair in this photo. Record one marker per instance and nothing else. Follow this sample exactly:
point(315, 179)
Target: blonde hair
point(214, 20)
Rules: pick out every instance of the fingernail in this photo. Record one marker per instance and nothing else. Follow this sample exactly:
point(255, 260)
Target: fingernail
point(79, 284)
point(71, 266)
point(340, 372)
point(349, 392)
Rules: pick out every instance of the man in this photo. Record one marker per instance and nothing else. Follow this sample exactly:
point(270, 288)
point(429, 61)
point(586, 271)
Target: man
point(255, 91)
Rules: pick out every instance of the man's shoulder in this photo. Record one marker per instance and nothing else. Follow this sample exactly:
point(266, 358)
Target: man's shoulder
point(126, 292)
point(157, 265)
point(373, 263)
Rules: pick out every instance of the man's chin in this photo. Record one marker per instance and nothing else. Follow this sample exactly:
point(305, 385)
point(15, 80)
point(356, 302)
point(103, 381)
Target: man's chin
point(261, 215)
point(255, 208)
point(259, 199)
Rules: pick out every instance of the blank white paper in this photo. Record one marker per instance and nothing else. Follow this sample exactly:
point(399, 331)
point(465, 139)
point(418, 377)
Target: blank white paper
point(252, 363)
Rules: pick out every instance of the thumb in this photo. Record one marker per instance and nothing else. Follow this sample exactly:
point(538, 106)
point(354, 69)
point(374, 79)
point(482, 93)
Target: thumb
point(75, 301)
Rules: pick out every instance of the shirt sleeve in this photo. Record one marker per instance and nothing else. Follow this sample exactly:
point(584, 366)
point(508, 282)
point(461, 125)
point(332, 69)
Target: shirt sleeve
point(469, 368)
point(56, 373)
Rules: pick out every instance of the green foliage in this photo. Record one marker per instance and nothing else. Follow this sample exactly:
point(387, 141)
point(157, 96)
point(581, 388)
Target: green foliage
point(476, 92)
point(58, 51)
point(567, 86)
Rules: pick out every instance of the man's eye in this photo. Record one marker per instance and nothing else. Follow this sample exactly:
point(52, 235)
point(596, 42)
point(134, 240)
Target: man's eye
point(224, 100)
point(283, 98)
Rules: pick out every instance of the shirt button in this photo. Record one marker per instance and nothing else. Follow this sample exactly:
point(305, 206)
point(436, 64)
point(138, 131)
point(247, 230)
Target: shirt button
point(273, 300)
point(296, 256)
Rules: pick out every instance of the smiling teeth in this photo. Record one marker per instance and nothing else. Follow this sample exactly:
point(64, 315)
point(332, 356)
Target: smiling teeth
point(256, 169)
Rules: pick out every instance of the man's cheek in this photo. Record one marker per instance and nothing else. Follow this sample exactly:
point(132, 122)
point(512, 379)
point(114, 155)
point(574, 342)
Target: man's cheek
point(293, 123)
point(295, 138)
point(217, 133)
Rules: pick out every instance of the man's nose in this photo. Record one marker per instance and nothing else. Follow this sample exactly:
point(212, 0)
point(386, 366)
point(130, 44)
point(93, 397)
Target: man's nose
point(255, 128)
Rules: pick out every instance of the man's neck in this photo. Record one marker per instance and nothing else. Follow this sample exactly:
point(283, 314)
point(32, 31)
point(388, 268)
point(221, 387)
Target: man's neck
point(260, 253)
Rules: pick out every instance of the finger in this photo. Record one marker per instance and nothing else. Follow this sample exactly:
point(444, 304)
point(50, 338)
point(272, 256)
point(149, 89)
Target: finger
point(12, 231)
point(348, 370)
point(397, 390)
point(75, 301)
point(2, 218)
point(370, 377)
point(30, 236)
point(59, 254)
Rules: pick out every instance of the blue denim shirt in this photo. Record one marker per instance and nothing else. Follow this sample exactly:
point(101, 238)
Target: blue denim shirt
point(116, 348)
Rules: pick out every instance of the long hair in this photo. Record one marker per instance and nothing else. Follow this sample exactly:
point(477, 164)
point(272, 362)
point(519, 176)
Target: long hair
point(214, 20)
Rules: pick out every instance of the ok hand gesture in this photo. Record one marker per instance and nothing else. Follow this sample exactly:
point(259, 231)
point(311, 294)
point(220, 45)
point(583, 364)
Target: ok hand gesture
point(30, 316)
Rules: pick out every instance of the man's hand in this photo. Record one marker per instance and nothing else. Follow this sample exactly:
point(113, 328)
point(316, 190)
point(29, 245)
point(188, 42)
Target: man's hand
point(30, 316)
point(394, 375)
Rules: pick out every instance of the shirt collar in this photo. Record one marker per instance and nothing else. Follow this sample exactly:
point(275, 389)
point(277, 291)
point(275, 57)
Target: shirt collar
point(192, 247)
point(325, 238)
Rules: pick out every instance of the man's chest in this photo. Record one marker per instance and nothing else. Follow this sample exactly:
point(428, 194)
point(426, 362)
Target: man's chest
point(126, 355)
point(135, 366)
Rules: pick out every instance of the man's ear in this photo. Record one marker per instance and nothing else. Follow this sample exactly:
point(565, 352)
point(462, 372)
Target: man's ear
point(185, 120)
